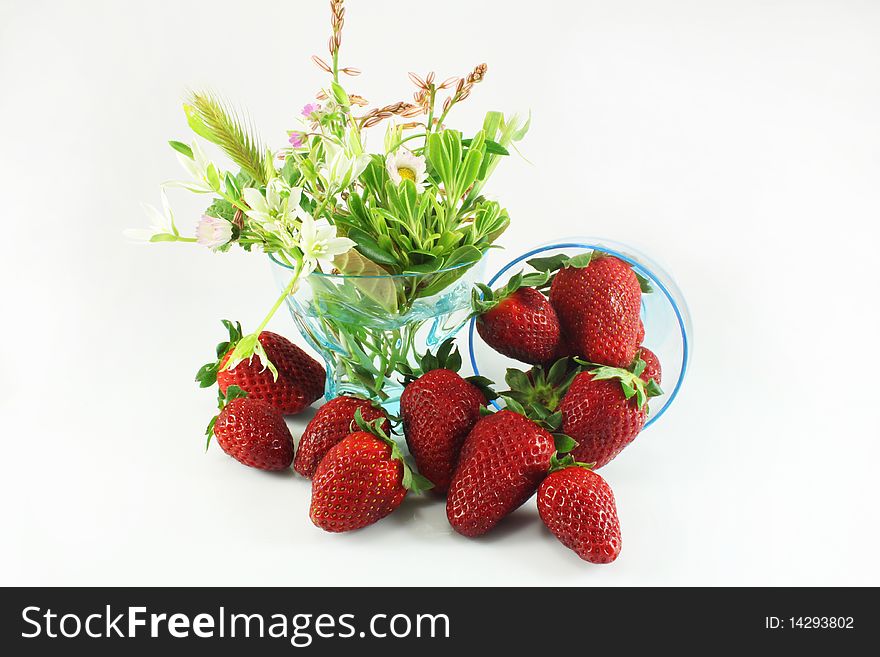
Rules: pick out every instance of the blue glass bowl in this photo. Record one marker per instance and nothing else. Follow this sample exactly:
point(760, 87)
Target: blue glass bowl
point(668, 326)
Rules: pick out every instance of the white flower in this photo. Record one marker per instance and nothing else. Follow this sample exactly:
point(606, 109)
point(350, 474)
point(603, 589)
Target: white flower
point(403, 165)
point(319, 244)
point(213, 232)
point(161, 223)
point(205, 177)
point(341, 169)
point(280, 202)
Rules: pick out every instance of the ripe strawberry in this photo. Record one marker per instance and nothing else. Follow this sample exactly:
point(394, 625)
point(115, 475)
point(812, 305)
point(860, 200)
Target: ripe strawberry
point(603, 411)
point(503, 460)
point(252, 432)
point(438, 410)
point(333, 422)
point(597, 299)
point(652, 366)
point(518, 321)
point(640, 335)
point(577, 505)
point(361, 480)
point(300, 379)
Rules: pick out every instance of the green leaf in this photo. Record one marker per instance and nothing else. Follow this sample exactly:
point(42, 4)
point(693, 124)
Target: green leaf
point(517, 380)
point(415, 482)
point(182, 148)
point(163, 237)
point(581, 260)
point(653, 389)
point(513, 405)
point(564, 443)
point(339, 94)
point(222, 209)
point(370, 248)
point(644, 283)
point(235, 392)
point(492, 147)
point(548, 264)
point(638, 366)
point(207, 375)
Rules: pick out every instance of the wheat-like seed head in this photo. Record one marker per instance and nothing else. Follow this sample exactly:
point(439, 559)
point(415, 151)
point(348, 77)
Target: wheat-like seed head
point(337, 20)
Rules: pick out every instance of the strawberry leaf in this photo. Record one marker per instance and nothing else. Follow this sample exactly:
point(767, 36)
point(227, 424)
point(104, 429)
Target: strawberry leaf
point(564, 443)
point(484, 299)
point(414, 482)
point(548, 264)
point(644, 283)
point(207, 375)
point(513, 405)
point(567, 461)
point(484, 385)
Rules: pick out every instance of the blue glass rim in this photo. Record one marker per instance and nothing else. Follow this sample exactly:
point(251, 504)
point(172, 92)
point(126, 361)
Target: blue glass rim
point(635, 265)
point(413, 274)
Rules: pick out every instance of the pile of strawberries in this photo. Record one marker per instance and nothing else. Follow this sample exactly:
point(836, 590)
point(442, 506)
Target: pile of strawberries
point(585, 397)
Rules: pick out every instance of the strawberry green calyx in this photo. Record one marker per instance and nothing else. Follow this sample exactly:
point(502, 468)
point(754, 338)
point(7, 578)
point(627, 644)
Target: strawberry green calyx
point(412, 480)
point(237, 343)
point(567, 461)
point(446, 358)
point(630, 380)
point(637, 368)
point(207, 374)
point(484, 299)
point(552, 264)
point(232, 392)
point(541, 385)
point(542, 416)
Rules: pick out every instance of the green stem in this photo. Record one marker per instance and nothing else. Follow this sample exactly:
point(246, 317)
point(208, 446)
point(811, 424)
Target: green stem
point(433, 94)
point(287, 292)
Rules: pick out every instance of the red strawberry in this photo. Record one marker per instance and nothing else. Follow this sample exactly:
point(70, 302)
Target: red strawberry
point(640, 336)
point(300, 377)
point(652, 365)
point(518, 321)
point(333, 422)
point(438, 410)
point(603, 411)
point(503, 460)
point(361, 480)
point(577, 505)
point(252, 432)
point(597, 299)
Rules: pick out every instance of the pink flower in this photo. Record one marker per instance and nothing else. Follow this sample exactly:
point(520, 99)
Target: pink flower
point(297, 139)
point(213, 232)
point(309, 109)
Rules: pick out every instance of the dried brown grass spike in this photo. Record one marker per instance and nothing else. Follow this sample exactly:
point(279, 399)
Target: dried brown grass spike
point(322, 64)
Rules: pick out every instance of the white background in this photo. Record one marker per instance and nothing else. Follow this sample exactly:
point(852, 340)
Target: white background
point(737, 142)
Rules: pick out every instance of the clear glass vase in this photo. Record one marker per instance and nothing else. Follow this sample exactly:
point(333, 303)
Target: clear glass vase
point(367, 326)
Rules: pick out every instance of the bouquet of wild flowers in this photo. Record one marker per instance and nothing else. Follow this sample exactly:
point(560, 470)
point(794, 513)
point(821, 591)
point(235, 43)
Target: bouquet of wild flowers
point(325, 203)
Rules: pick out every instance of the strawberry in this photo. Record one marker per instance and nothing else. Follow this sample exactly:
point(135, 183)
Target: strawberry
point(604, 410)
point(652, 365)
point(438, 409)
point(640, 334)
point(361, 480)
point(333, 422)
point(578, 507)
point(597, 298)
point(504, 458)
point(518, 321)
point(290, 382)
point(252, 432)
